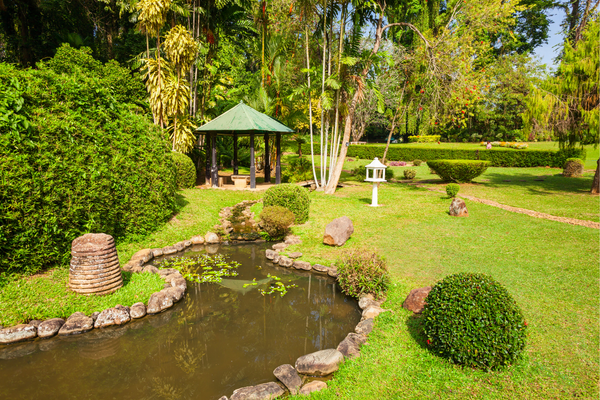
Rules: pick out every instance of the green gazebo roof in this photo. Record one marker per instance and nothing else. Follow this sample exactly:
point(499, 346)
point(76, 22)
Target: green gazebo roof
point(243, 119)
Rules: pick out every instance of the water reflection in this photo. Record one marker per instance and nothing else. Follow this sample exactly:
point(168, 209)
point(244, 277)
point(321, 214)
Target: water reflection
point(219, 338)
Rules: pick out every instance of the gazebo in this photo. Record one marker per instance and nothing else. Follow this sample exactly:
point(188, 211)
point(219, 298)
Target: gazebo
point(243, 120)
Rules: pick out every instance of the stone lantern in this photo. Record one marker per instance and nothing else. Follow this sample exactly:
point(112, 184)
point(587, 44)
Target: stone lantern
point(377, 175)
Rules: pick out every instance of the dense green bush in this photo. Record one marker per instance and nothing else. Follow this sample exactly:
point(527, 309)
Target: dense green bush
point(299, 170)
point(276, 221)
point(185, 170)
point(416, 163)
point(452, 189)
point(410, 173)
point(499, 157)
point(472, 320)
point(573, 168)
point(362, 272)
point(458, 170)
point(360, 173)
point(293, 197)
point(424, 139)
point(74, 160)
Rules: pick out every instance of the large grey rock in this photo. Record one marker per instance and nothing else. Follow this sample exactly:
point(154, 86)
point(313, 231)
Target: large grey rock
point(304, 265)
point(144, 255)
point(292, 239)
point(350, 346)
point(372, 312)
point(182, 245)
point(78, 322)
point(415, 301)
point(158, 302)
point(179, 283)
point(320, 363)
point(175, 292)
point(167, 271)
point(313, 386)
point(289, 377)
point(198, 239)
point(276, 258)
point(285, 261)
point(211, 238)
point(270, 254)
point(364, 327)
point(458, 208)
point(50, 327)
point(34, 322)
point(157, 252)
point(138, 310)
point(265, 391)
point(332, 272)
point(338, 231)
point(151, 269)
point(320, 268)
point(366, 301)
point(295, 254)
point(17, 333)
point(169, 250)
point(112, 316)
point(279, 246)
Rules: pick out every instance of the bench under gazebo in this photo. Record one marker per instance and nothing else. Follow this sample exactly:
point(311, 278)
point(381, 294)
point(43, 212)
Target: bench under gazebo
point(243, 120)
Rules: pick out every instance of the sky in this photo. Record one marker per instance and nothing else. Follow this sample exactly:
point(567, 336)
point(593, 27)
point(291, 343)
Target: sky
point(548, 52)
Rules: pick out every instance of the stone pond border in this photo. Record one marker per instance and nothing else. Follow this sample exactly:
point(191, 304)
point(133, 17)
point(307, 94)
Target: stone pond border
point(318, 364)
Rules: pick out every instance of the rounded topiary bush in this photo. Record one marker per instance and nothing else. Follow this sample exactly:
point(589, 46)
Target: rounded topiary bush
point(458, 170)
point(362, 272)
point(573, 168)
point(416, 163)
point(473, 321)
point(185, 170)
point(293, 197)
point(276, 220)
point(452, 189)
point(410, 173)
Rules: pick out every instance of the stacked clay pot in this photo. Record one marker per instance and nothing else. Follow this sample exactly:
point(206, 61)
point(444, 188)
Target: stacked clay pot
point(94, 265)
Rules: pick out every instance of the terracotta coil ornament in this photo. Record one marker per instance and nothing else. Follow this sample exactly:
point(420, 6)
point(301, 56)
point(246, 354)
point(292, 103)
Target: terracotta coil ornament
point(95, 265)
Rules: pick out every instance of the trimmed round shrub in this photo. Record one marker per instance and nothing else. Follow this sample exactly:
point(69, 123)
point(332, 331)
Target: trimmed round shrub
point(462, 171)
point(293, 197)
point(452, 189)
point(410, 173)
point(472, 320)
point(276, 221)
point(573, 168)
point(75, 159)
point(186, 171)
point(360, 173)
point(416, 163)
point(362, 272)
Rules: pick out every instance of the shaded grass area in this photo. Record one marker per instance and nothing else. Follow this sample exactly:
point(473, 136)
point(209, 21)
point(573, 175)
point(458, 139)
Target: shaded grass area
point(549, 268)
point(48, 296)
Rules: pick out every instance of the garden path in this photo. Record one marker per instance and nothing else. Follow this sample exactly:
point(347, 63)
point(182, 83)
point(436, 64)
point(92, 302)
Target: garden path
point(572, 221)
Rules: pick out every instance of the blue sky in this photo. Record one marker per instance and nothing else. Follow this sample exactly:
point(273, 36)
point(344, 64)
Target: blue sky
point(548, 51)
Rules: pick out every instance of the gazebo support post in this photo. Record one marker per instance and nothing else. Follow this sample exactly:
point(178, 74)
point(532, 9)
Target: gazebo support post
point(214, 170)
point(267, 159)
point(235, 153)
point(207, 166)
point(278, 165)
point(252, 166)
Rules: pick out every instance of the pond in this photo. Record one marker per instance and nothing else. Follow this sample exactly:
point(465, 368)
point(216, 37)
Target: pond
point(220, 337)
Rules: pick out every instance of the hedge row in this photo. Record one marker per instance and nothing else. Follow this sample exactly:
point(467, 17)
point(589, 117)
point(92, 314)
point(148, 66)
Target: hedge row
point(499, 157)
point(73, 160)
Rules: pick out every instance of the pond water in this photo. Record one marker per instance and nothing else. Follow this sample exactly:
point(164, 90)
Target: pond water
point(218, 338)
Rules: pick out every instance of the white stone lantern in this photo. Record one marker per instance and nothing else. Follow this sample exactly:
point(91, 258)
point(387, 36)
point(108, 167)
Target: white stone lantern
point(377, 175)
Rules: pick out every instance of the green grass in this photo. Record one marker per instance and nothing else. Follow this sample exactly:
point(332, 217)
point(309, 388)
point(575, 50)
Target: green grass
point(548, 267)
point(48, 296)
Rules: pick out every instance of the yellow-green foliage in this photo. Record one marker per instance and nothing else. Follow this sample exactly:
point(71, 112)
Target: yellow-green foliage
point(567, 103)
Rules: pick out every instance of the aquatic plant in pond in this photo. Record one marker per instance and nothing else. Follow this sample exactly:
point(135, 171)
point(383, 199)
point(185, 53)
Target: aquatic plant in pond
point(276, 286)
point(214, 268)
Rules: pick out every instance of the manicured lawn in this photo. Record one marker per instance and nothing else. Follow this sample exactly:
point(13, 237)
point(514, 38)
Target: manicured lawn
point(47, 296)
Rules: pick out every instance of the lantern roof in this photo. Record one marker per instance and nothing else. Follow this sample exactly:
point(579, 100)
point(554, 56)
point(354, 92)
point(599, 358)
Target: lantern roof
point(376, 164)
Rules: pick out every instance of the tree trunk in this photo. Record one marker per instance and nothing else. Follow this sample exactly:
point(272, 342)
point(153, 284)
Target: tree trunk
point(596, 184)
